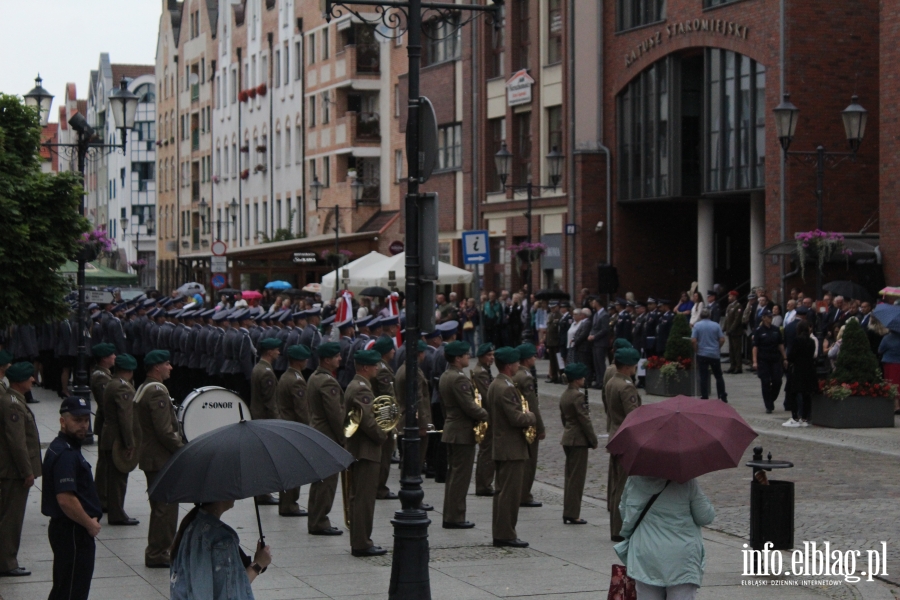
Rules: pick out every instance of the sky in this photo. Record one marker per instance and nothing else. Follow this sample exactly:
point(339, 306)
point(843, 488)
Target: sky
point(63, 39)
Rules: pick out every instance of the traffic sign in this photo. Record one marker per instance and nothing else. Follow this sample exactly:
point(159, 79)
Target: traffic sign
point(98, 297)
point(302, 258)
point(396, 247)
point(476, 249)
point(218, 248)
point(218, 281)
point(218, 264)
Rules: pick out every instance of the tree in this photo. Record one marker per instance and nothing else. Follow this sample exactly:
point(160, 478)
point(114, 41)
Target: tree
point(40, 223)
point(856, 363)
point(677, 347)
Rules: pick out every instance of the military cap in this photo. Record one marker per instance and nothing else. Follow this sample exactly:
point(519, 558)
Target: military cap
point(642, 303)
point(457, 348)
point(236, 315)
point(554, 303)
point(432, 334)
point(96, 316)
point(329, 349)
point(220, 315)
point(120, 308)
point(103, 350)
point(710, 292)
point(208, 313)
point(484, 349)
point(751, 295)
point(178, 298)
point(375, 322)
point(366, 357)
point(75, 406)
point(448, 329)
point(149, 302)
point(130, 311)
point(156, 357)
point(506, 355)
point(92, 306)
point(152, 313)
point(632, 303)
point(664, 301)
point(313, 312)
point(165, 303)
point(387, 321)
point(627, 356)
point(575, 371)
point(565, 304)
point(20, 371)
point(364, 322)
point(383, 345)
point(174, 312)
point(126, 362)
point(734, 293)
point(6, 357)
point(767, 312)
point(347, 325)
point(621, 301)
point(269, 344)
point(328, 320)
point(259, 318)
point(651, 300)
point(526, 351)
point(801, 310)
point(298, 352)
point(622, 343)
point(422, 346)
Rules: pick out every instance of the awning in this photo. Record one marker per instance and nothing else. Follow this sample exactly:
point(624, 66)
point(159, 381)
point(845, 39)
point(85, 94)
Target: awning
point(288, 246)
point(861, 245)
point(97, 274)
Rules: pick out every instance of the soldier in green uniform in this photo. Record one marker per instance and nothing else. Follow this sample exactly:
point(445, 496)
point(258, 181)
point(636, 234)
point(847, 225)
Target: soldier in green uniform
point(383, 385)
point(423, 406)
point(105, 355)
point(510, 447)
point(20, 464)
point(460, 415)
point(525, 384)
point(365, 445)
point(290, 395)
point(621, 398)
point(482, 378)
point(553, 342)
point(262, 393)
point(326, 415)
point(6, 359)
point(159, 441)
point(578, 436)
point(120, 424)
point(610, 371)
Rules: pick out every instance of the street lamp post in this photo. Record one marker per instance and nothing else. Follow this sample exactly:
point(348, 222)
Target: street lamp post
point(503, 161)
point(230, 212)
point(854, 118)
point(124, 108)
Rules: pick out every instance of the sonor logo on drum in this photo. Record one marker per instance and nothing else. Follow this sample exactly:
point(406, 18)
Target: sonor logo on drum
point(218, 405)
point(209, 408)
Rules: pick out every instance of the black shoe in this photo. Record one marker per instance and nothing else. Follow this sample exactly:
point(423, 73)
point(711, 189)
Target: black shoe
point(395, 460)
point(516, 543)
point(162, 565)
point(532, 504)
point(486, 494)
point(329, 531)
point(571, 521)
point(126, 521)
point(725, 400)
point(462, 525)
point(426, 507)
point(298, 513)
point(769, 411)
point(617, 538)
point(267, 500)
point(390, 496)
point(17, 572)
point(372, 551)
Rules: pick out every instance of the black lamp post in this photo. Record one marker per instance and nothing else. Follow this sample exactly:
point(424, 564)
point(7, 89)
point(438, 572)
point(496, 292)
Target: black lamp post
point(503, 161)
point(854, 118)
point(124, 108)
point(231, 212)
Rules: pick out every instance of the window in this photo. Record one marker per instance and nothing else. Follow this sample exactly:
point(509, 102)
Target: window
point(634, 13)
point(234, 85)
point(313, 175)
point(450, 147)
point(441, 40)
point(246, 224)
point(145, 171)
point(299, 153)
point(554, 128)
point(226, 163)
point(298, 64)
point(495, 48)
point(311, 117)
point(326, 108)
point(263, 70)
point(264, 155)
point(497, 131)
point(234, 159)
point(278, 68)
point(325, 37)
point(396, 100)
point(554, 32)
point(278, 214)
point(265, 219)
point(143, 212)
point(278, 149)
point(398, 165)
point(709, 3)
point(445, 253)
point(218, 162)
point(522, 33)
point(522, 152)
point(287, 63)
point(287, 144)
point(312, 48)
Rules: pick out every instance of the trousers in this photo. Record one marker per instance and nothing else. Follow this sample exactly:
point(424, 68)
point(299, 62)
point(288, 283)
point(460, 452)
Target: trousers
point(770, 373)
point(13, 499)
point(321, 499)
point(599, 352)
point(287, 501)
point(460, 458)
point(735, 353)
point(507, 496)
point(363, 487)
point(163, 524)
point(484, 468)
point(576, 471)
point(530, 471)
point(615, 485)
point(73, 559)
point(384, 471)
point(116, 483)
point(552, 353)
point(685, 591)
point(705, 364)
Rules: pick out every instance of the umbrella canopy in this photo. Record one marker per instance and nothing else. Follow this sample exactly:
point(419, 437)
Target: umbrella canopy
point(848, 290)
point(312, 288)
point(376, 292)
point(329, 279)
point(278, 285)
point(377, 274)
point(890, 291)
point(889, 315)
point(250, 295)
point(191, 288)
point(551, 295)
point(228, 292)
point(681, 438)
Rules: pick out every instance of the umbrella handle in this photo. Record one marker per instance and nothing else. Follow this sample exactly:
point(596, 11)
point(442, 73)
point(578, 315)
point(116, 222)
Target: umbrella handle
point(262, 538)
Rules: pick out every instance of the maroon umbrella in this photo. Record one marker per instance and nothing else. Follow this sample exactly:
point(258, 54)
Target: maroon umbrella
point(681, 438)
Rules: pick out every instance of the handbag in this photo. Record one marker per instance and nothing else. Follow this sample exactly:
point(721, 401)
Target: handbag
point(621, 586)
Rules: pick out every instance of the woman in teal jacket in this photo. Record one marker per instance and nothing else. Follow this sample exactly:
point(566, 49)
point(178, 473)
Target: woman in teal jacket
point(664, 555)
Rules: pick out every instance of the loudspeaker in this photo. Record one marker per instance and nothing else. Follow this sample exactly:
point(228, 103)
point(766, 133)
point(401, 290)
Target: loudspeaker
point(607, 279)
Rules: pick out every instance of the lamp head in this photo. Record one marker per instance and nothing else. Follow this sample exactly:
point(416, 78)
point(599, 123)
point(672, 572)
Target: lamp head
point(124, 105)
point(80, 125)
point(786, 115)
point(315, 190)
point(555, 162)
point(855, 117)
point(357, 187)
point(502, 161)
point(41, 99)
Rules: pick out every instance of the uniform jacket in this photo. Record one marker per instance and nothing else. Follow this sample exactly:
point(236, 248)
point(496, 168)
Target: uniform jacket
point(349, 347)
point(525, 384)
point(662, 331)
point(733, 319)
point(624, 325)
point(290, 395)
point(20, 443)
point(262, 392)
point(193, 346)
point(639, 332)
point(383, 382)
point(600, 328)
point(438, 366)
point(575, 412)
point(553, 340)
point(312, 338)
point(366, 443)
point(621, 398)
point(100, 377)
point(118, 410)
point(508, 421)
point(326, 407)
point(460, 410)
point(246, 354)
point(67, 339)
point(160, 437)
point(423, 402)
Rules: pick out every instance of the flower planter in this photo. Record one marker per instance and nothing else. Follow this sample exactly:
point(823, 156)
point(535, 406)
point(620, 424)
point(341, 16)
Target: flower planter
point(658, 384)
point(853, 412)
point(336, 260)
point(89, 252)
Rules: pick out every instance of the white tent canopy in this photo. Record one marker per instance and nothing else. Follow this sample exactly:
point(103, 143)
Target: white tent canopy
point(377, 273)
point(354, 267)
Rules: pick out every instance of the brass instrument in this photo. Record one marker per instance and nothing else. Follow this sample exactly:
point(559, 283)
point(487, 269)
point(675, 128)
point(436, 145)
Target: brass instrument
point(481, 427)
point(530, 432)
point(387, 415)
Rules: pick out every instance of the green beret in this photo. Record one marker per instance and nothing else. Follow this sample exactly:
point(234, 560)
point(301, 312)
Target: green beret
point(156, 357)
point(126, 362)
point(484, 349)
point(456, 349)
point(329, 350)
point(622, 343)
point(506, 355)
point(269, 344)
point(6, 357)
point(103, 350)
point(627, 356)
point(422, 346)
point(526, 351)
point(21, 371)
point(367, 358)
point(298, 352)
point(575, 371)
point(383, 345)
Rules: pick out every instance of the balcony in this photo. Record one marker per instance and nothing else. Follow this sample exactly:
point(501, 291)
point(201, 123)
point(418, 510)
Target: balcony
point(195, 92)
point(195, 191)
point(368, 58)
point(368, 127)
point(195, 139)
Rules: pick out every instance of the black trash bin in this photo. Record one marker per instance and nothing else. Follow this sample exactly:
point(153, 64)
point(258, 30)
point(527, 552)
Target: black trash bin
point(771, 506)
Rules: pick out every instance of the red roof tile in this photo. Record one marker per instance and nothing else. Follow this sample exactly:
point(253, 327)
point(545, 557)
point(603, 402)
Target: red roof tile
point(131, 71)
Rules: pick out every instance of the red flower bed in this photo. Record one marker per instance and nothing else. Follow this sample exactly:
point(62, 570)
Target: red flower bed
point(875, 390)
point(658, 362)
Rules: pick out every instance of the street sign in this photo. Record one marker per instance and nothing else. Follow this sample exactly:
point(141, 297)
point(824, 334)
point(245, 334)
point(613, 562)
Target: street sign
point(219, 248)
point(476, 249)
point(98, 297)
point(304, 258)
point(396, 247)
point(218, 281)
point(570, 228)
point(218, 264)
point(428, 140)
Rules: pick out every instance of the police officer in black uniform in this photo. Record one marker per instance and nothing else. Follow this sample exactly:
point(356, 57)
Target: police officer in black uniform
point(69, 498)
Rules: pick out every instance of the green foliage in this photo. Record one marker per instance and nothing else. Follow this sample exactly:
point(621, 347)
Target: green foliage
point(856, 363)
point(677, 347)
point(39, 221)
point(282, 234)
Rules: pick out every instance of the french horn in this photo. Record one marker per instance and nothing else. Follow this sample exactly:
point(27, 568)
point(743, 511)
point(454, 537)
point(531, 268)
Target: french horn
point(386, 411)
point(530, 432)
point(480, 427)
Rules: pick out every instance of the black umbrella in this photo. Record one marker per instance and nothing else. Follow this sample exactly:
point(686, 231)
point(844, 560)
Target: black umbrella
point(848, 290)
point(551, 295)
point(246, 459)
point(376, 291)
point(228, 291)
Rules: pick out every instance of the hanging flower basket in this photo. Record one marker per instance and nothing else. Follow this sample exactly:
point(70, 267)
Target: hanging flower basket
point(821, 245)
point(262, 89)
point(243, 96)
point(245, 173)
point(527, 253)
point(93, 244)
point(245, 148)
point(252, 92)
point(137, 265)
point(260, 169)
point(261, 148)
point(215, 179)
point(336, 259)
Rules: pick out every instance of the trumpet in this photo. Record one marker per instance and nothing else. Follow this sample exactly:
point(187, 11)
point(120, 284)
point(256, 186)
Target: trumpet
point(530, 432)
point(387, 415)
point(481, 427)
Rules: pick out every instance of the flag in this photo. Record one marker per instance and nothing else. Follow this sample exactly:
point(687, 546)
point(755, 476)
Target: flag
point(394, 306)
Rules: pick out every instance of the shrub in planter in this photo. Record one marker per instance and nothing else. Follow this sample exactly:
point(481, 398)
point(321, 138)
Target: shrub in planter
point(671, 374)
point(677, 347)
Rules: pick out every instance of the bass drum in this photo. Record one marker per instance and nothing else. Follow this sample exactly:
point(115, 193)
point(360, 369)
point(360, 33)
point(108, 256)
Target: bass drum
point(209, 408)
